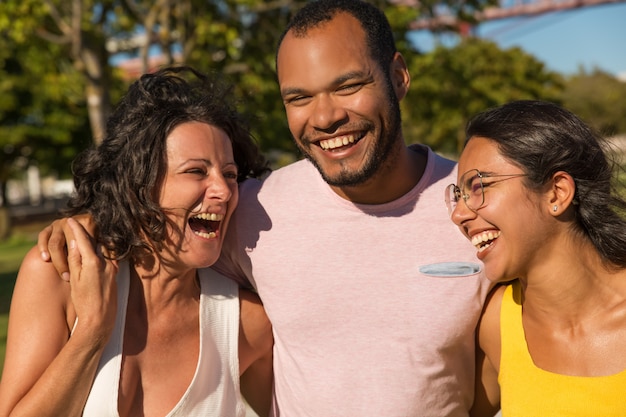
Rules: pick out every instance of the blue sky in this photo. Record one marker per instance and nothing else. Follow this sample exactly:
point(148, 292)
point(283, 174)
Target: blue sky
point(588, 37)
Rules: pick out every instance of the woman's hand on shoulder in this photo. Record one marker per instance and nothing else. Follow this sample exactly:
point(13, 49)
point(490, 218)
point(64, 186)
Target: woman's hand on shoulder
point(93, 286)
point(53, 240)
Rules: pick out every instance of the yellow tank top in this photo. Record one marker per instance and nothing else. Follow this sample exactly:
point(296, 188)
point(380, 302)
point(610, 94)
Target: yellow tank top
point(530, 391)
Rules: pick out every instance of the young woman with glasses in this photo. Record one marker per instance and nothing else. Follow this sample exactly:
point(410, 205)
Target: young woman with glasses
point(536, 195)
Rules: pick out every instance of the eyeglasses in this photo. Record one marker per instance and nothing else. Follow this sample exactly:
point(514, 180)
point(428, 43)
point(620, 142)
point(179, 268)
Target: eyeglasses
point(472, 189)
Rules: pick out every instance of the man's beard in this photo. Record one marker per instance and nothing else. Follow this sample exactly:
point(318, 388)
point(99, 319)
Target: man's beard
point(377, 158)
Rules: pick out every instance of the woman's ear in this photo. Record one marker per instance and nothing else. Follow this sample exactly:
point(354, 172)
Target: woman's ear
point(561, 192)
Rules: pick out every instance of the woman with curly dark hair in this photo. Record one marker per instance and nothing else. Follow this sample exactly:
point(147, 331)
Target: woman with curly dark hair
point(144, 326)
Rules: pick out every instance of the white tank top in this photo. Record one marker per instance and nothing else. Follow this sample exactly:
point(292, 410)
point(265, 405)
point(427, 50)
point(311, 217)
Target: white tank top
point(214, 389)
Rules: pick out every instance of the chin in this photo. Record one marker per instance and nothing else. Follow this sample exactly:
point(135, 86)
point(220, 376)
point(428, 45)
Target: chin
point(200, 257)
point(494, 275)
point(497, 278)
point(207, 261)
point(200, 264)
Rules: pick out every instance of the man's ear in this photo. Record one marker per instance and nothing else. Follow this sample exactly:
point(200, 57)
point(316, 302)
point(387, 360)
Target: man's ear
point(400, 78)
point(561, 192)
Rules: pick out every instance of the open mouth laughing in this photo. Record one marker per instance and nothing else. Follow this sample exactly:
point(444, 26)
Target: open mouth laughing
point(206, 225)
point(339, 142)
point(483, 240)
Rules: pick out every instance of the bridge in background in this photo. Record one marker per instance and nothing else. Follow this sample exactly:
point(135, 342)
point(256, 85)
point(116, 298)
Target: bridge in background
point(505, 9)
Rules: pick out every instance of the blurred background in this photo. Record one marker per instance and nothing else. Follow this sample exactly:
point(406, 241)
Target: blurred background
point(65, 63)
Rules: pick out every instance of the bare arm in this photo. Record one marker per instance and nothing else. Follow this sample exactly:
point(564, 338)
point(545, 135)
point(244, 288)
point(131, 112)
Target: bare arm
point(487, 389)
point(47, 372)
point(487, 394)
point(255, 353)
point(52, 242)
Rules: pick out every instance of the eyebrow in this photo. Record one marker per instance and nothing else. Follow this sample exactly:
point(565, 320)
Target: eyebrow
point(196, 160)
point(207, 162)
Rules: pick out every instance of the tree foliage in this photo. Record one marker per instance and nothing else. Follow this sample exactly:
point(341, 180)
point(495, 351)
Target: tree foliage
point(237, 38)
point(599, 99)
point(449, 85)
point(63, 50)
point(42, 117)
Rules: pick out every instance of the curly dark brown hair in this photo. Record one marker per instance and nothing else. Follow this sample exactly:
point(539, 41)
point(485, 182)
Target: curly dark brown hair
point(118, 181)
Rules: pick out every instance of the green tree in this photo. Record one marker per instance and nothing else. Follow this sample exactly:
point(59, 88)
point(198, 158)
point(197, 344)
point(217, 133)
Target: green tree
point(77, 34)
point(449, 85)
point(77, 30)
point(599, 99)
point(42, 115)
point(234, 37)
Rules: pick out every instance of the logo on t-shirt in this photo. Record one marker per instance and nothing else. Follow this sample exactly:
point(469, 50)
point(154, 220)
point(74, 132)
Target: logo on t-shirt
point(451, 269)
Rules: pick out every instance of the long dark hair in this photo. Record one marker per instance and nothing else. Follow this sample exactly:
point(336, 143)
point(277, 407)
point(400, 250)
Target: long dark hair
point(542, 139)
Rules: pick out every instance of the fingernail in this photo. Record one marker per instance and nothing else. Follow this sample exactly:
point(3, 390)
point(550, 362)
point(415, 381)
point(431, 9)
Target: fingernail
point(72, 244)
point(45, 255)
point(65, 276)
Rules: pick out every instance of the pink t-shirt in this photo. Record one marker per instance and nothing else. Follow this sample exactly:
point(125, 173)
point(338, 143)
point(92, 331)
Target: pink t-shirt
point(373, 306)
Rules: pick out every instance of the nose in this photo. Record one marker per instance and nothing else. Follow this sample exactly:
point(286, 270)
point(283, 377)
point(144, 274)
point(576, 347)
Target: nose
point(328, 113)
point(219, 188)
point(461, 213)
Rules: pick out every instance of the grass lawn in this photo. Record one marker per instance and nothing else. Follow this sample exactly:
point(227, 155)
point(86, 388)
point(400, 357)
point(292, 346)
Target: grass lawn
point(11, 253)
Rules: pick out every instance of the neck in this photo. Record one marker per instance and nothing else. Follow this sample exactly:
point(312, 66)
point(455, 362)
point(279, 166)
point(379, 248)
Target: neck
point(160, 285)
point(572, 285)
point(394, 180)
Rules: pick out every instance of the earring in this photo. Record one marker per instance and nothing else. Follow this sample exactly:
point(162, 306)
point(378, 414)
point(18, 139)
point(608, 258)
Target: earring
point(555, 208)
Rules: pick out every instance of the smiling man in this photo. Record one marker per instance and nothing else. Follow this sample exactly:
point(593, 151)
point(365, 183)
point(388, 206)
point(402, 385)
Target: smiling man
point(373, 296)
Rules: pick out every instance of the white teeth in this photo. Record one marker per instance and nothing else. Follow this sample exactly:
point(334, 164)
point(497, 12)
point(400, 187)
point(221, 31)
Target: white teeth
point(480, 240)
point(337, 142)
point(482, 248)
point(210, 216)
point(210, 235)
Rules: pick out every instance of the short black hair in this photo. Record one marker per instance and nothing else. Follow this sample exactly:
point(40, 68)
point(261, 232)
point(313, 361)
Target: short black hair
point(378, 33)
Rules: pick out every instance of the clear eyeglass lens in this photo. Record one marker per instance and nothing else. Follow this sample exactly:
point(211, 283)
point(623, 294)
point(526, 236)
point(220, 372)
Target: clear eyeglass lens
point(452, 197)
point(473, 189)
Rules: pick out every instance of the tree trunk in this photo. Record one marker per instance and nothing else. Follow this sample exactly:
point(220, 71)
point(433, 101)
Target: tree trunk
point(5, 222)
point(96, 69)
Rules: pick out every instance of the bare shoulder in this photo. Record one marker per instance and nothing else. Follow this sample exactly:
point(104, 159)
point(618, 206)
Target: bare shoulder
point(38, 325)
point(35, 271)
point(255, 353)
point(39, 288)
point(255, 329)
point(489, 326)
point(253, 318)
point(494, 303)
